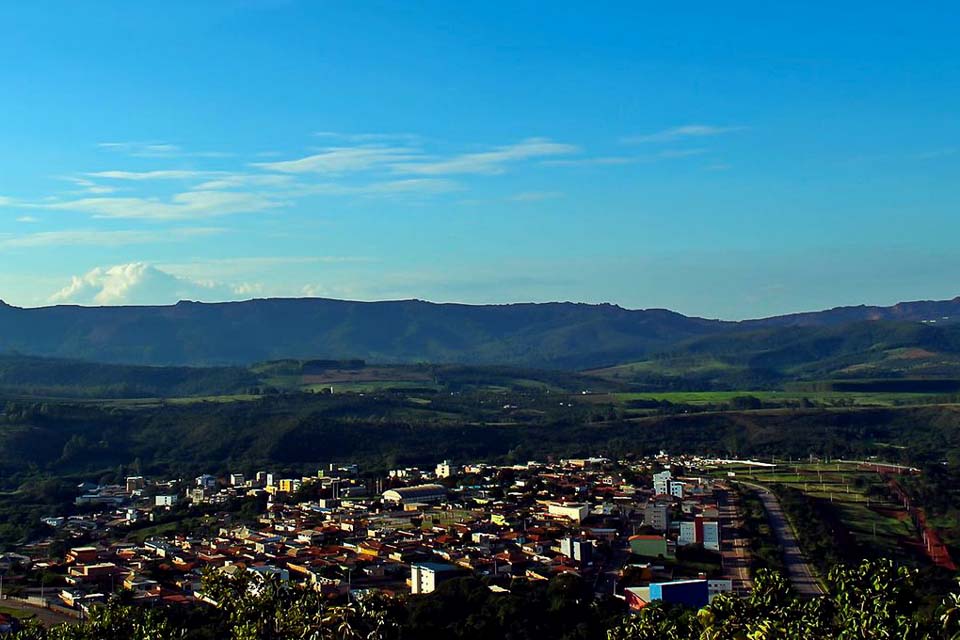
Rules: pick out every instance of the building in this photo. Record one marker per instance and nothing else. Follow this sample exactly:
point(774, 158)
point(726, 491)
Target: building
point(418, 493)
point(688, 534)
point(575, 511)
point(206, 481)
point(656, 515)
point(446, 470)
point(82, 555)
point(661, 483)
point(690, 593)
point(426, 576)
point(236, 479)
point(166, 500)
point(716, 587)
point(135, 483)
point(676, 489)
point(577, 549)
point(289, 485)
point(711, 536)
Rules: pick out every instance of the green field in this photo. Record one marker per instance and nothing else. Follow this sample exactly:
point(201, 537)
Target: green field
point(849, 398)
point(873, 521)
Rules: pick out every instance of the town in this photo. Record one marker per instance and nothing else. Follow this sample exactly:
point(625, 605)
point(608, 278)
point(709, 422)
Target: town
point(654, 529)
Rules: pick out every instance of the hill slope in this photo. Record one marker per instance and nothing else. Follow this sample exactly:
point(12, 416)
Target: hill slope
point(551, 335)
point(559, 335)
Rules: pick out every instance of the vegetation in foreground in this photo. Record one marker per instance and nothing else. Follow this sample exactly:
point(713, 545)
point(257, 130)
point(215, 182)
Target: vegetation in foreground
point(872, 600)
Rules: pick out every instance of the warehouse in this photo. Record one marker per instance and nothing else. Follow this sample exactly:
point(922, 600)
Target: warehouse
point(423, 493)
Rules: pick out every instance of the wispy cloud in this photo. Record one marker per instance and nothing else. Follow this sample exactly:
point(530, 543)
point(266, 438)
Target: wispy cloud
point(535, 196)
point(490, 162)
point(682, 153)
point(246, 180)
point(157, 150)
point(231, 269)
point(336, 160)
point(87, 186)
point(681, 133)
point(407, 138)
point(190, 205)
point(28, 219)
point(412, 186)
point(100, 238)
point(934, 154)
point(164, 174)
point(599, 161)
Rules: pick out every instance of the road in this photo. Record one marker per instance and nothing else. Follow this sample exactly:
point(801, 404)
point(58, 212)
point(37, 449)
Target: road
point(47, 617)
point(798, 569)
point(734, 549)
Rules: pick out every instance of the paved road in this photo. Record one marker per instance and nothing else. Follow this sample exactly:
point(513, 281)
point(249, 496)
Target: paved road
point(798, 569)
point(734, 549)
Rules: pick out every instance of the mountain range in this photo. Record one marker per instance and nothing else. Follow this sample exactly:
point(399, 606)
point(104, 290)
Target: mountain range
point(545, 335)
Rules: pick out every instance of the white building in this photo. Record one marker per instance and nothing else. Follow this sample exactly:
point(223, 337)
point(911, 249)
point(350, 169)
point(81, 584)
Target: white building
point(575, 511)
point(688, 534)
point(446, 470)
point(716, 587)
point(661, 483)
point(676, 489)
point(711, 536)
point(425, 577)
point(166, 501)
point(419, 493)
point(236, 479)
point(206, 481)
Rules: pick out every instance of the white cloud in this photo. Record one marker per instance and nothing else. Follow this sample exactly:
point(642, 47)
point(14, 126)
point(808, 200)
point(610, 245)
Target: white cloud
point(407, 138)
point(139, 283)
point(490, 162)
point(143, 149)
point(343, 159)
point(28, 219)
point(190, 205)
point(165, 174)
point(241, 180)
point(421, 186)
point(681, 133)
point(157, 150)
point(233, 269)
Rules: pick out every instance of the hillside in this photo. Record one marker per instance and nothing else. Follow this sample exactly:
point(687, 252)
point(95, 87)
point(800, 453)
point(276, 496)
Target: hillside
point(555, 335)
point(33, 376)
point(773, 356)
point(551, 335)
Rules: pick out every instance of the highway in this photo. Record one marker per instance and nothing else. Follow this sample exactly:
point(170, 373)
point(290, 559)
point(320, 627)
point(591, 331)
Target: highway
point(799, 571)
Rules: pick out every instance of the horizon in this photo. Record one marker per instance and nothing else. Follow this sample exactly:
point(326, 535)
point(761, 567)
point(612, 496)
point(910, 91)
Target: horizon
point(721, 163)
point(955, 298)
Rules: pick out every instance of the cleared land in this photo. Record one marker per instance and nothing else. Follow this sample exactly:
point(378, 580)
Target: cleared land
point(857, 495)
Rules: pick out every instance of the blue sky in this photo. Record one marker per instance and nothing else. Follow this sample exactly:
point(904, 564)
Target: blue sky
point(721, 159)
